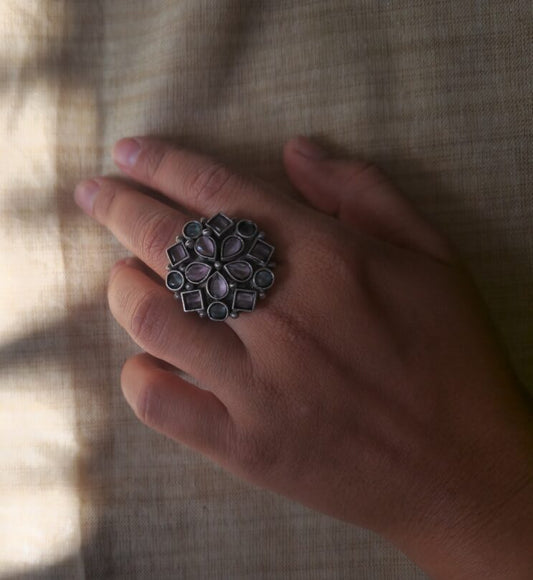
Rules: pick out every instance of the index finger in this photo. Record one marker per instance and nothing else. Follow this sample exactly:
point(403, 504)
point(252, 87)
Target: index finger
point(197, 182)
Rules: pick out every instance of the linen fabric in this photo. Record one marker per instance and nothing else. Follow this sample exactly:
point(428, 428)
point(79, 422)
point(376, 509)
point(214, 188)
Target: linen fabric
point(437, 93)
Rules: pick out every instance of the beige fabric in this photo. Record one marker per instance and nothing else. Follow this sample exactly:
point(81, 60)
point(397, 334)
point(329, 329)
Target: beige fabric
point(438, 93)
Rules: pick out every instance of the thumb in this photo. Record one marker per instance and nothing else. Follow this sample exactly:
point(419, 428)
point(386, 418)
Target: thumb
point(359, 195)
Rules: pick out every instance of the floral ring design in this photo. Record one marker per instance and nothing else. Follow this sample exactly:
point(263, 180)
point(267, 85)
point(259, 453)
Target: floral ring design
point(220, 266)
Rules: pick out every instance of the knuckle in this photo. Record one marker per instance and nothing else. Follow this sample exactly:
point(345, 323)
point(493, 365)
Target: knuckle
point(361, 175)
point(154, 161)
point(334, 254)
point(257, 455)
point(154, 233)
point(288, 328)
point(343, 252)
point(148, 320)
point(209, 182)
point(105, 201)
point(349, 262)
point(338, 261)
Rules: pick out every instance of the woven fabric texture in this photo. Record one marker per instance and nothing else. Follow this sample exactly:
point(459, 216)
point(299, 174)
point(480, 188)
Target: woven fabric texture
point(437, 93)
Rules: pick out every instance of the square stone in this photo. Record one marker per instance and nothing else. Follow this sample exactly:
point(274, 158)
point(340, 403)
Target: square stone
point(177, 253)
point(261, 251)
point(192, 300)
point(219, 223)
point(244, 300)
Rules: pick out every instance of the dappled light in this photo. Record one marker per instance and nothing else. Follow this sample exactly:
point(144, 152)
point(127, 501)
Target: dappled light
point(40, 449)
point(86, 490)
point(39, 509)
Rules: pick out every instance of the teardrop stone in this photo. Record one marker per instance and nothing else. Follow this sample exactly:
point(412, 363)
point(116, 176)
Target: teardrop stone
point(197, 272)
point(217, 286)
point(231, 247)
point(239, 271)
point(205, 246)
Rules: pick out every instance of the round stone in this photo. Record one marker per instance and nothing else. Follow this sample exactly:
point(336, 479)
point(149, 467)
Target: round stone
point(217, 311)
point(192, 229)
point(175, 280)
point(246, 228)
point(263, 279)
point(205, 246)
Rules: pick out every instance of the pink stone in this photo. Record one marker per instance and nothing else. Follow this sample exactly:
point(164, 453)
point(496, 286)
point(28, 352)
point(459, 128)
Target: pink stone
point(205, 246)
point(231, 247)
point(197, 272)
point(217, 286)
point(239, 271)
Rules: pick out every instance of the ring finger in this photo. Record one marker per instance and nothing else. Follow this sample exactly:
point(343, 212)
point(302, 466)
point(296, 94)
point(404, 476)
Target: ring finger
point(213, 354)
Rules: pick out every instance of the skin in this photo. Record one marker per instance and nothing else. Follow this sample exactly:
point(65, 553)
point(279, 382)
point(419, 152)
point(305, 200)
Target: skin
point(369, 385)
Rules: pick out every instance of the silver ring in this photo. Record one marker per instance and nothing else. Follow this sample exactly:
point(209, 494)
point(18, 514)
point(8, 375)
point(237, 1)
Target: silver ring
point(220, 266)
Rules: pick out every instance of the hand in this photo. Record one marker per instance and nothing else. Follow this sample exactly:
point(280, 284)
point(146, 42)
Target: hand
point(368, 385)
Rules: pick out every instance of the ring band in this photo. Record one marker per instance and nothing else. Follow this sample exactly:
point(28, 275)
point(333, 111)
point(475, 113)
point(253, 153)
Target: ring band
point(220, 266)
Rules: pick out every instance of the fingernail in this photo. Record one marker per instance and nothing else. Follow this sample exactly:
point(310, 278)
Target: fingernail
point(85, 193)
point(309, 149)
point(126, 152)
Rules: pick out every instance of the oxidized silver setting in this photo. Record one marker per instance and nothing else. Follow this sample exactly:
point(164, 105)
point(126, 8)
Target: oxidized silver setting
point(220, 266)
